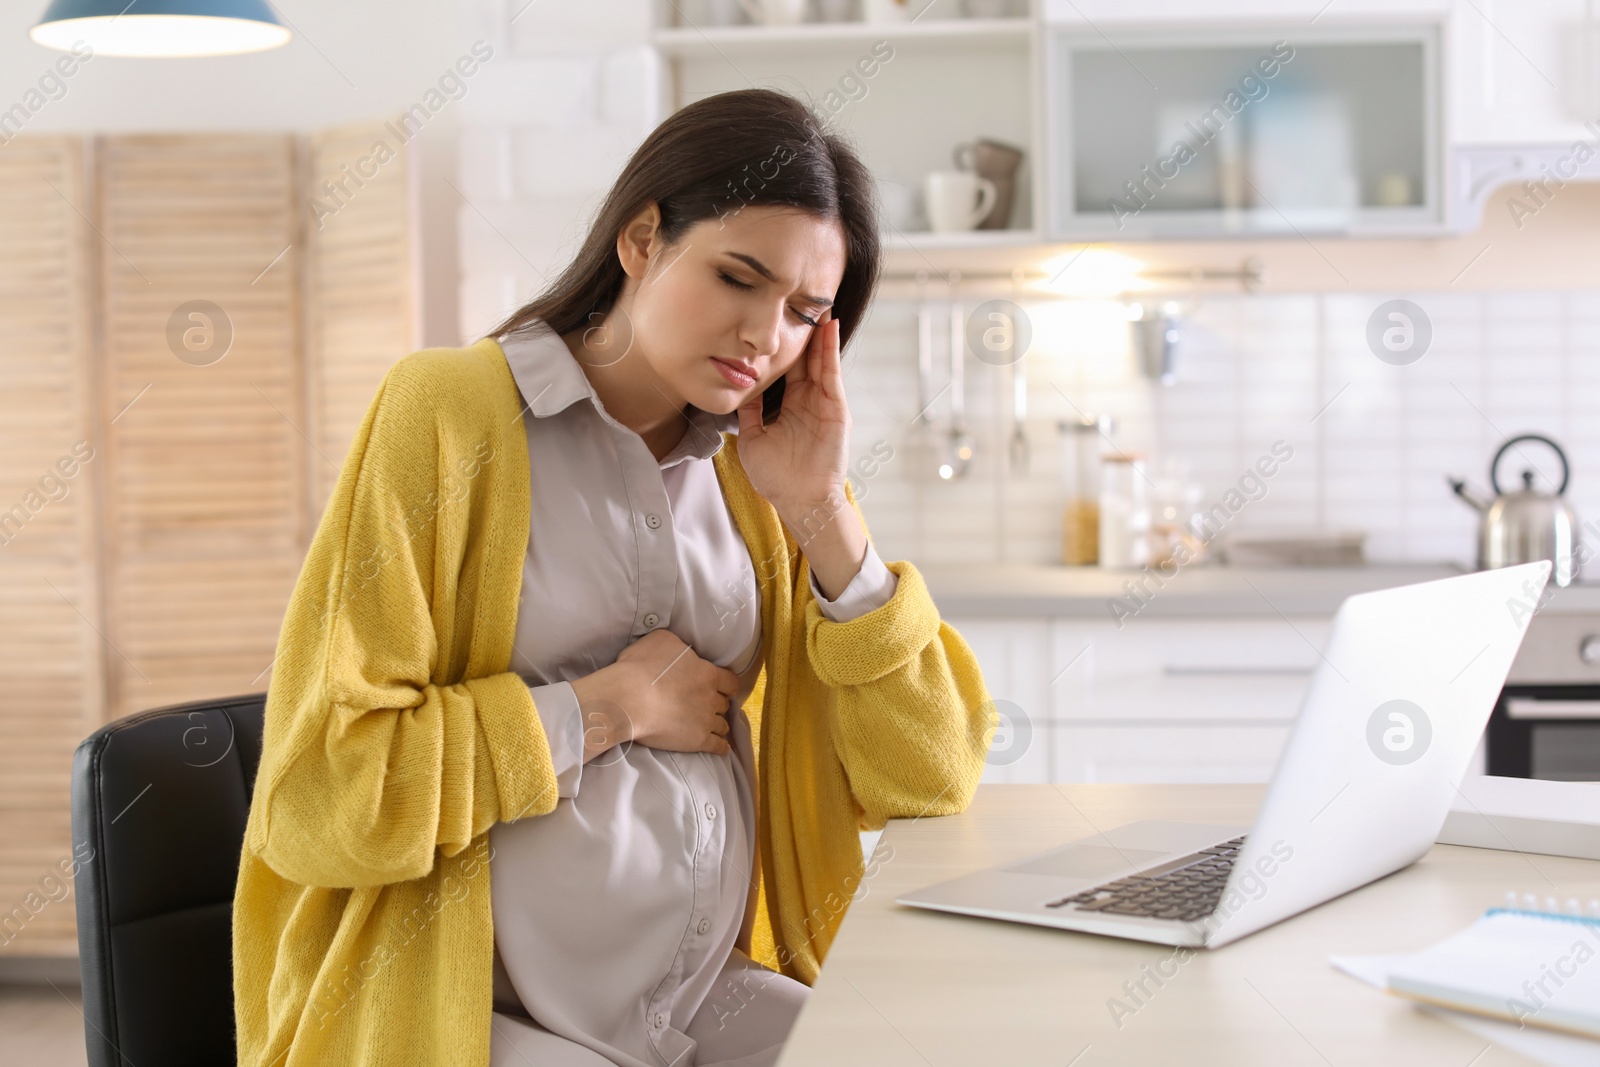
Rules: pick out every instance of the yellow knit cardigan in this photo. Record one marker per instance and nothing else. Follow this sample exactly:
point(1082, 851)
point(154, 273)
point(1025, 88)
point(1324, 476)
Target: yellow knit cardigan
point(396, 736)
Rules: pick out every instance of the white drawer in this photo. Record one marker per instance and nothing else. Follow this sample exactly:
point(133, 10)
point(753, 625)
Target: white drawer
point(1213, 670)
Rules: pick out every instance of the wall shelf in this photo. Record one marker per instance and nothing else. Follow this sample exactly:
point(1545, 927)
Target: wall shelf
point(906, 94)
point(703, 41)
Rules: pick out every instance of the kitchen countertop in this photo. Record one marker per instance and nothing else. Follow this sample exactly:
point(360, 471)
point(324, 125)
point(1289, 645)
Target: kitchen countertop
point(1029, 590)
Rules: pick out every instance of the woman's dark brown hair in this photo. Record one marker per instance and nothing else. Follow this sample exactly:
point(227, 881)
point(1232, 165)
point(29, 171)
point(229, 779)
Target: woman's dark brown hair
point(746, 148)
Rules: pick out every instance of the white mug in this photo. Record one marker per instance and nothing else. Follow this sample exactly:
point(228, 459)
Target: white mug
point(719, 13)
point(899, 204)
point(775, 12)
point(886, 10)
point(949, 195)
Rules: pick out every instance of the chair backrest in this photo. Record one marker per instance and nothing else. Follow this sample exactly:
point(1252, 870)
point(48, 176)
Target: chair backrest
point(159, 801)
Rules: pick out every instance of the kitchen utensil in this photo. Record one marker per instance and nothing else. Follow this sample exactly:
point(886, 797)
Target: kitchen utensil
point(957, 200)
point(1155, 345)
point(1528, 524)
point(775, 12)
point(997, 162)
point(1018, 448)
point(958, 457)
point(922, 445)
point(1018, 451)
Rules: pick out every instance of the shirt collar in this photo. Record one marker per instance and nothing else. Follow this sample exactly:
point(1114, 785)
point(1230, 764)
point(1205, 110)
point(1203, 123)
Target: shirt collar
point(551, 381)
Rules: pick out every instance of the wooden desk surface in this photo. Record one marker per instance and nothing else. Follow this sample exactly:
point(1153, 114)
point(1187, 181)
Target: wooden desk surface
point(906, 987)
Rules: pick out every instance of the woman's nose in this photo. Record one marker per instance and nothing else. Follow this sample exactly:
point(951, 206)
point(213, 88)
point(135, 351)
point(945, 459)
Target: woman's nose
point(763, 333)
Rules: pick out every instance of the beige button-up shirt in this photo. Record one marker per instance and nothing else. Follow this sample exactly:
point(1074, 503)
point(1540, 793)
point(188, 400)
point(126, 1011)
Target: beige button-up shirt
point(614, 913)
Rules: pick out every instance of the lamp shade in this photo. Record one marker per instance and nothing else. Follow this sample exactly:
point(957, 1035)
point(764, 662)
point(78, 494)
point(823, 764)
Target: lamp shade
point(161, 27)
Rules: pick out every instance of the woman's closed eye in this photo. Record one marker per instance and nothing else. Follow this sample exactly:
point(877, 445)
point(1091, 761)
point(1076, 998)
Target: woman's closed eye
point(735, 283)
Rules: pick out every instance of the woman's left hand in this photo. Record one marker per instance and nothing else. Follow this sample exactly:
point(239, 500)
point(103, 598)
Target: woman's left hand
point(798, 462)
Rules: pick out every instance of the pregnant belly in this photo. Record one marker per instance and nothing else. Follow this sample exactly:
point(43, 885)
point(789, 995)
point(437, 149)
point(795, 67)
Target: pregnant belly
point(593, 902)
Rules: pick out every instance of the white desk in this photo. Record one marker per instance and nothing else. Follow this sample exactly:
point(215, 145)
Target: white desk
point(905, 987)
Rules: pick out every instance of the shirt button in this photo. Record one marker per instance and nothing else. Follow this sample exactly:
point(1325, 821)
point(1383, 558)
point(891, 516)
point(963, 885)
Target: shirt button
point(651, 619)
point(711, 810)
point(659, 1020)
point(705, 924)
point(653, 521)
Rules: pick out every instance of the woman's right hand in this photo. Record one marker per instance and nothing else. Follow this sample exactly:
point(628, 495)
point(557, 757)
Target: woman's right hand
point(660, 694)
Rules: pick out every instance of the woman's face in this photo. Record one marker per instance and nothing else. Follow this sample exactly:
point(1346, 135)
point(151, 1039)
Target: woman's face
point(743, 289)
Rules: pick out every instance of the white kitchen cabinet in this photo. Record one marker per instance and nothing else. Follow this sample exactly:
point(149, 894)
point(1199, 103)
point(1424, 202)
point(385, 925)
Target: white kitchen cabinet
point(1014, 654)
point(1203, 670)
point(1160, 699)
point(1266, 127)
point(1523, 73)
point(1179, 700)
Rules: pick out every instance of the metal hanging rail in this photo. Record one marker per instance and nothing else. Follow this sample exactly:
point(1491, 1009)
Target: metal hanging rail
point(1250, 274)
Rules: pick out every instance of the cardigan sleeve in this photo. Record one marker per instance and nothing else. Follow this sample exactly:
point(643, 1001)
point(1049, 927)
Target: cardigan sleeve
point(910, 717)
point(374, 758)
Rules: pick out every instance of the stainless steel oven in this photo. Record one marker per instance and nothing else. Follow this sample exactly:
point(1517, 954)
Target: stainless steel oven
point(1546, 723)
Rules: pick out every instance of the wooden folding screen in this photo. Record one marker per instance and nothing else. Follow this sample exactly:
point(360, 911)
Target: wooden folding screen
point(185, 306)
point(52, 690)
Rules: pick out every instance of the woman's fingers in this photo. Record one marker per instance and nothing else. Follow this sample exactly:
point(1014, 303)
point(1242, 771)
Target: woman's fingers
point(810, 363)
point(817, 352)
point(833, 370)
point(727, 682)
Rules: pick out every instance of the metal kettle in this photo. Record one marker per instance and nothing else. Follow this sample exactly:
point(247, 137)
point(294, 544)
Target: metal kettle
point(1528, 524)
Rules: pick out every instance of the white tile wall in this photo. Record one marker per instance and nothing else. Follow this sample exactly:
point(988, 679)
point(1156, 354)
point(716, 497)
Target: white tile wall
point(1372, 442)
point(571, 93)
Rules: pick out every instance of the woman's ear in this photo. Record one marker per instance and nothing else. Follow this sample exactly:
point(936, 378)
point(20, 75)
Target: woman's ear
point(637, 238)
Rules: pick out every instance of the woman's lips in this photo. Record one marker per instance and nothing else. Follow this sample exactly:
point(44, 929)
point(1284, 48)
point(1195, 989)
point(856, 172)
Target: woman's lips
point(734, 374)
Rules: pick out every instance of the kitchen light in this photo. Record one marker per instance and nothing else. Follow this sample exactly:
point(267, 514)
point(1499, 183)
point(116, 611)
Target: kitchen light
point(1092, 272)
point(161, 27)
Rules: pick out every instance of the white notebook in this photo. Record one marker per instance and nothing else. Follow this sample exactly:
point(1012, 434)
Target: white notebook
point(1537, 968)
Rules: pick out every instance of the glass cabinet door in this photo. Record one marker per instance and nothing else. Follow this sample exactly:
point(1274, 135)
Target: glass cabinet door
point(1220, 132)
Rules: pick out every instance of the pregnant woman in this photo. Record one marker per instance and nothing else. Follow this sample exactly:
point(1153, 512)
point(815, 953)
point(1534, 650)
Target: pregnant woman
point(592, 675)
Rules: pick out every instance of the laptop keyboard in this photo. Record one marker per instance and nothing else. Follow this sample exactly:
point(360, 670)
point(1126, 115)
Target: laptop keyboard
point(1189, 890)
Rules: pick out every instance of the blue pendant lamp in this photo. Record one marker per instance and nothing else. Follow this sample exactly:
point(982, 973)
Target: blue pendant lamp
point(161, 27)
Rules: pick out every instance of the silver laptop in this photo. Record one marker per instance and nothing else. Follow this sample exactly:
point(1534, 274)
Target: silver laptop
point(1394, 712)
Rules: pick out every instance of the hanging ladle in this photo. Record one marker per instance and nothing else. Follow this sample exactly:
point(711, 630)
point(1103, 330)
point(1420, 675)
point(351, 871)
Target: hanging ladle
point(924, 450)
point(1019, 389)
point(958, 454)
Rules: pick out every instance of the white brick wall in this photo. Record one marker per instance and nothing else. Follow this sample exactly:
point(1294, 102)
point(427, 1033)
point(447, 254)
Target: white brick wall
point(1251, 370)
point(571, 92)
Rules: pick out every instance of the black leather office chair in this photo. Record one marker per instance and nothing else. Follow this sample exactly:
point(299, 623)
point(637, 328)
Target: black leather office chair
point(162, 797)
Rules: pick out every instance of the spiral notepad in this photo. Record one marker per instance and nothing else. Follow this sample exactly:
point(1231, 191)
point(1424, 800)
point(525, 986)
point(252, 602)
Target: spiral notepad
point(1532, 967)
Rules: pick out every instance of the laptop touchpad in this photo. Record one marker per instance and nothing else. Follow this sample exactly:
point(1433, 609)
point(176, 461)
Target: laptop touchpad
point(1087, 861)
